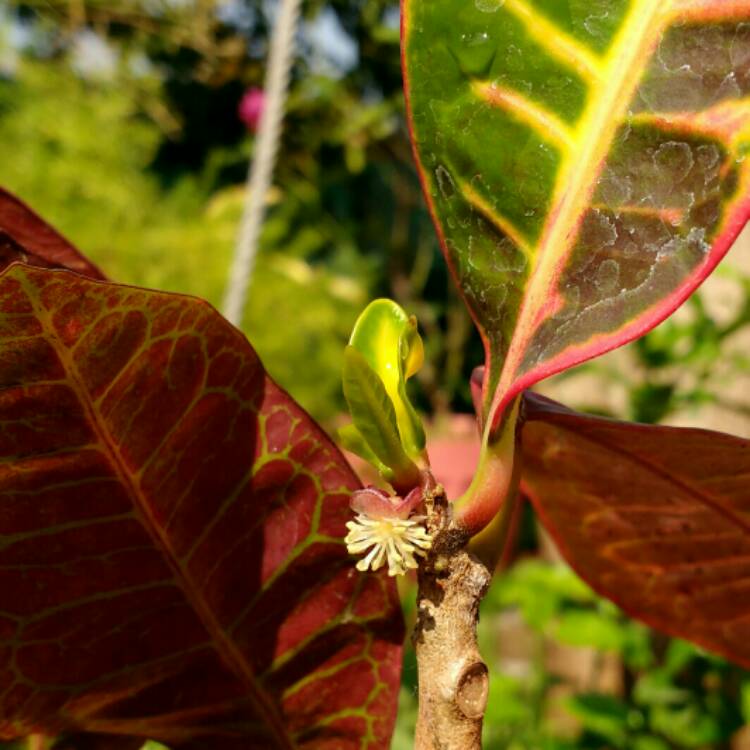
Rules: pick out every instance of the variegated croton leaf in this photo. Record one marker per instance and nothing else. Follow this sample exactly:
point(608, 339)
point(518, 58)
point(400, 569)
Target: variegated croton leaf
point(171, 526)
point(584, 162)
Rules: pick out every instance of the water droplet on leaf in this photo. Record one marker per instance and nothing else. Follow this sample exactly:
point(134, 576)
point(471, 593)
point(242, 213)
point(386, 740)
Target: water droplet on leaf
point(607, 276)
point(572, 301)
point(489, 6)
point(475, 53)
point(595, 25)
point(599, 230)
point(675, 160)
point(445, 182)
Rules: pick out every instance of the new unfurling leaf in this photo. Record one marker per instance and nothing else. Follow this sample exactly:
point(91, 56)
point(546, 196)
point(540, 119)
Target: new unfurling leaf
point(389, 340)
point(385, 350)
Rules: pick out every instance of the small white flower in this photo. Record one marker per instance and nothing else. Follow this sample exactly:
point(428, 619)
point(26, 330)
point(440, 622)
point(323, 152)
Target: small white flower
point(393, 539)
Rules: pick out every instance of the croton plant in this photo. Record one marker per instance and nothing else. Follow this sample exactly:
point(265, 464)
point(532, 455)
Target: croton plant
point(174, 527)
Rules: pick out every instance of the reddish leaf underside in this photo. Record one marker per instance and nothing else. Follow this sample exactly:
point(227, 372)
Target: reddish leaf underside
point(657, 519)
point(97, 742)
point(584, 164)
point(26, 238)
point(171, 563)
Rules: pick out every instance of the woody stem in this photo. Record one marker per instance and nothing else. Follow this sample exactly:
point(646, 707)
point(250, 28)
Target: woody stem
point(453, 678)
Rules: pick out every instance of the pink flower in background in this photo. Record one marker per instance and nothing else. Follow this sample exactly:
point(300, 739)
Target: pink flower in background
point(251, 107)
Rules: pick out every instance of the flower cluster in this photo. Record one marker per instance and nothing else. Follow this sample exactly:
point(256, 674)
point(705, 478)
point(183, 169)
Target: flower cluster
point(394, 540)
point(384, 526)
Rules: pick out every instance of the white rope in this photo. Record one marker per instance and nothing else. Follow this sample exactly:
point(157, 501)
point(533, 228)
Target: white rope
point(280, 60)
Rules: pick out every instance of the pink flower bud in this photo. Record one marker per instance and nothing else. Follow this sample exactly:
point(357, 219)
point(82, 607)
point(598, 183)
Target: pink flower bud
point(375, 503)
point(251, 108)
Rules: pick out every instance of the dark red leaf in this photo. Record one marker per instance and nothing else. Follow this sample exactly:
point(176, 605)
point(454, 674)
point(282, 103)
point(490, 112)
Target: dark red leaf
point(657, 519)
point(171, 523)
point(26, 238)
point(98, 742)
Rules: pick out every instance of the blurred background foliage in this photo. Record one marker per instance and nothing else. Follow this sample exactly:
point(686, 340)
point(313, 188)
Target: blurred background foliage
point(119, 123)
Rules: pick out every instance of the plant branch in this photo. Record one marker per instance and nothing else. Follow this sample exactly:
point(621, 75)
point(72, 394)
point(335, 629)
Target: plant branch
point(453, 679)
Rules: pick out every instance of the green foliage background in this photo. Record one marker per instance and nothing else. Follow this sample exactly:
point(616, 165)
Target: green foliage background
point(118, 122)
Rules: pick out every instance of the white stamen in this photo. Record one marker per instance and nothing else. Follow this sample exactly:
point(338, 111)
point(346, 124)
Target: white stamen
point(393, 539)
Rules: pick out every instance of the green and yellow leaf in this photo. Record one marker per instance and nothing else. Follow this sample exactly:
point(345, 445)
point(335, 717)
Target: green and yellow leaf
point(375, 418)
point(352, 440)
point(584, 162)
point(389, 340)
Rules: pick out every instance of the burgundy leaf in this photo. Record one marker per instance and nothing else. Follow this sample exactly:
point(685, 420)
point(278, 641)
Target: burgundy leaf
point(26, 238)
point(171, 524)
point(98, 742)
point(657, 519)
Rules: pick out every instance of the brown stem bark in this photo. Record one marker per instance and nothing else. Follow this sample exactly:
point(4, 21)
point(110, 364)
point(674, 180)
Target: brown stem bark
point(453, 679)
